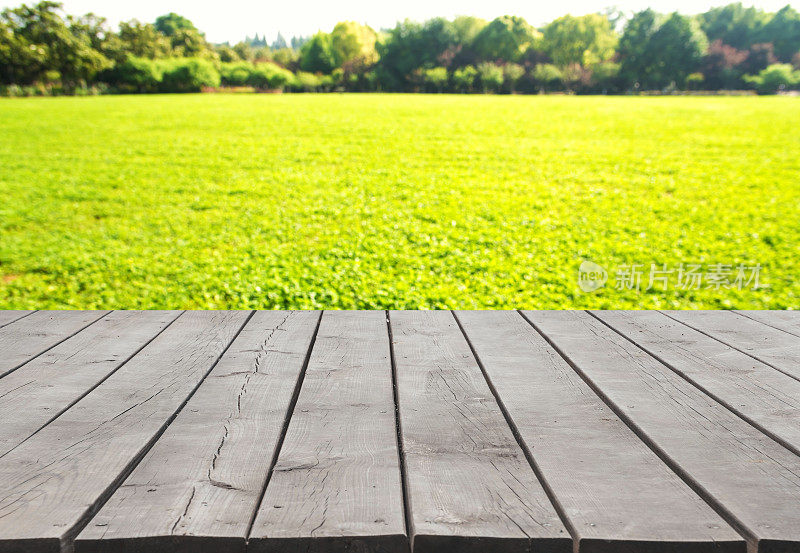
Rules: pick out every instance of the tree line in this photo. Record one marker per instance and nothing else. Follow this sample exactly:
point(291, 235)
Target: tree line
point(44, 51)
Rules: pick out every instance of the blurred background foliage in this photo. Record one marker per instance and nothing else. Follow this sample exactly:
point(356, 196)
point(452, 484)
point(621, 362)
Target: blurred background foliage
point(733, 47)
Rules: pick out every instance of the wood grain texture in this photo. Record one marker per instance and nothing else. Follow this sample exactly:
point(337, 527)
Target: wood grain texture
point(336, 486)
point(470, 486)
point(617, 493)
point(198, 488)
point(8, 317)
point(774, 347)
point(24, 339)
point(788, 321)
point(749, 477)
point(765, 397)
point(52, 483)
point(43, 388)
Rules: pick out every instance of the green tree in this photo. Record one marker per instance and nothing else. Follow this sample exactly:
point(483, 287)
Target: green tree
point(410, 46)
point(286, 57)
point(467, 28)
point(734, 25)
point(170, 24)
point(351, 41)
point(656, 51)
point(636, 57)
point(190, 43)
point(227, 54)
point(92, 28)
point(317, 56)
point(783, 31)
point(264, 54)
point(245, 51)
point(55, 50)
point(678, 46)
point(20, 61)
point(185, 39)
point(584, 40)
point(143, 40)
point(440, 40)
point(506, 38)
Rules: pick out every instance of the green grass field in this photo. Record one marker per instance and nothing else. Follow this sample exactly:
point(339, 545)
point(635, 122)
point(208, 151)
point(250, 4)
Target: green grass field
point(393, 201)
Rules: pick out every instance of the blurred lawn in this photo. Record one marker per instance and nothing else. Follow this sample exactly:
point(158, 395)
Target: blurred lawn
point(391, 201)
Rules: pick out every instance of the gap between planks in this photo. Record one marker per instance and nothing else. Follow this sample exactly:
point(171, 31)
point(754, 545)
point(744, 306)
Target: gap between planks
point(408, 520)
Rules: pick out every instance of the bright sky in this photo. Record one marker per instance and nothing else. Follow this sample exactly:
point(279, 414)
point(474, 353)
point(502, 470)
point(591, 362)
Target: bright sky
point(233, 19)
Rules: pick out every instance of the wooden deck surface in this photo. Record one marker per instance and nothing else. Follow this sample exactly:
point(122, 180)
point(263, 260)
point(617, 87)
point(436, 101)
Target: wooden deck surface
point(393, 432)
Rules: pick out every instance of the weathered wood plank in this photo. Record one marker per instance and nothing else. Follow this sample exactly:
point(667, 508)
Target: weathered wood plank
point(198, 488)
point(43, 388)
point(52, 484)
point(774, 347)
point(768, 399)
point(617, 493)
point(8, 317)
point(469, 483)
point(29, 336)
point(336, 486)
point(751, 479)
point(788, 321)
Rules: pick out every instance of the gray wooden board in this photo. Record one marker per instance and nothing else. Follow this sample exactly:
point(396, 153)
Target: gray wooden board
point(767, 398)
point(470, 486)
point(41, 389)
point(749, 477)
point(8, 317)
point(24, 339)
point(337, 485)
point(616, 492)
point(199, 486)
point(774, 347)
point(788, 321)
point(52, 483)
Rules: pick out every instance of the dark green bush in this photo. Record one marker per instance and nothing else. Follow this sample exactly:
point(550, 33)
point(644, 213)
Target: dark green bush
point(305, 82)
point(777, 77)
point(269, 76)
point(188, 75)
point(137, 75)
point(236, 73)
